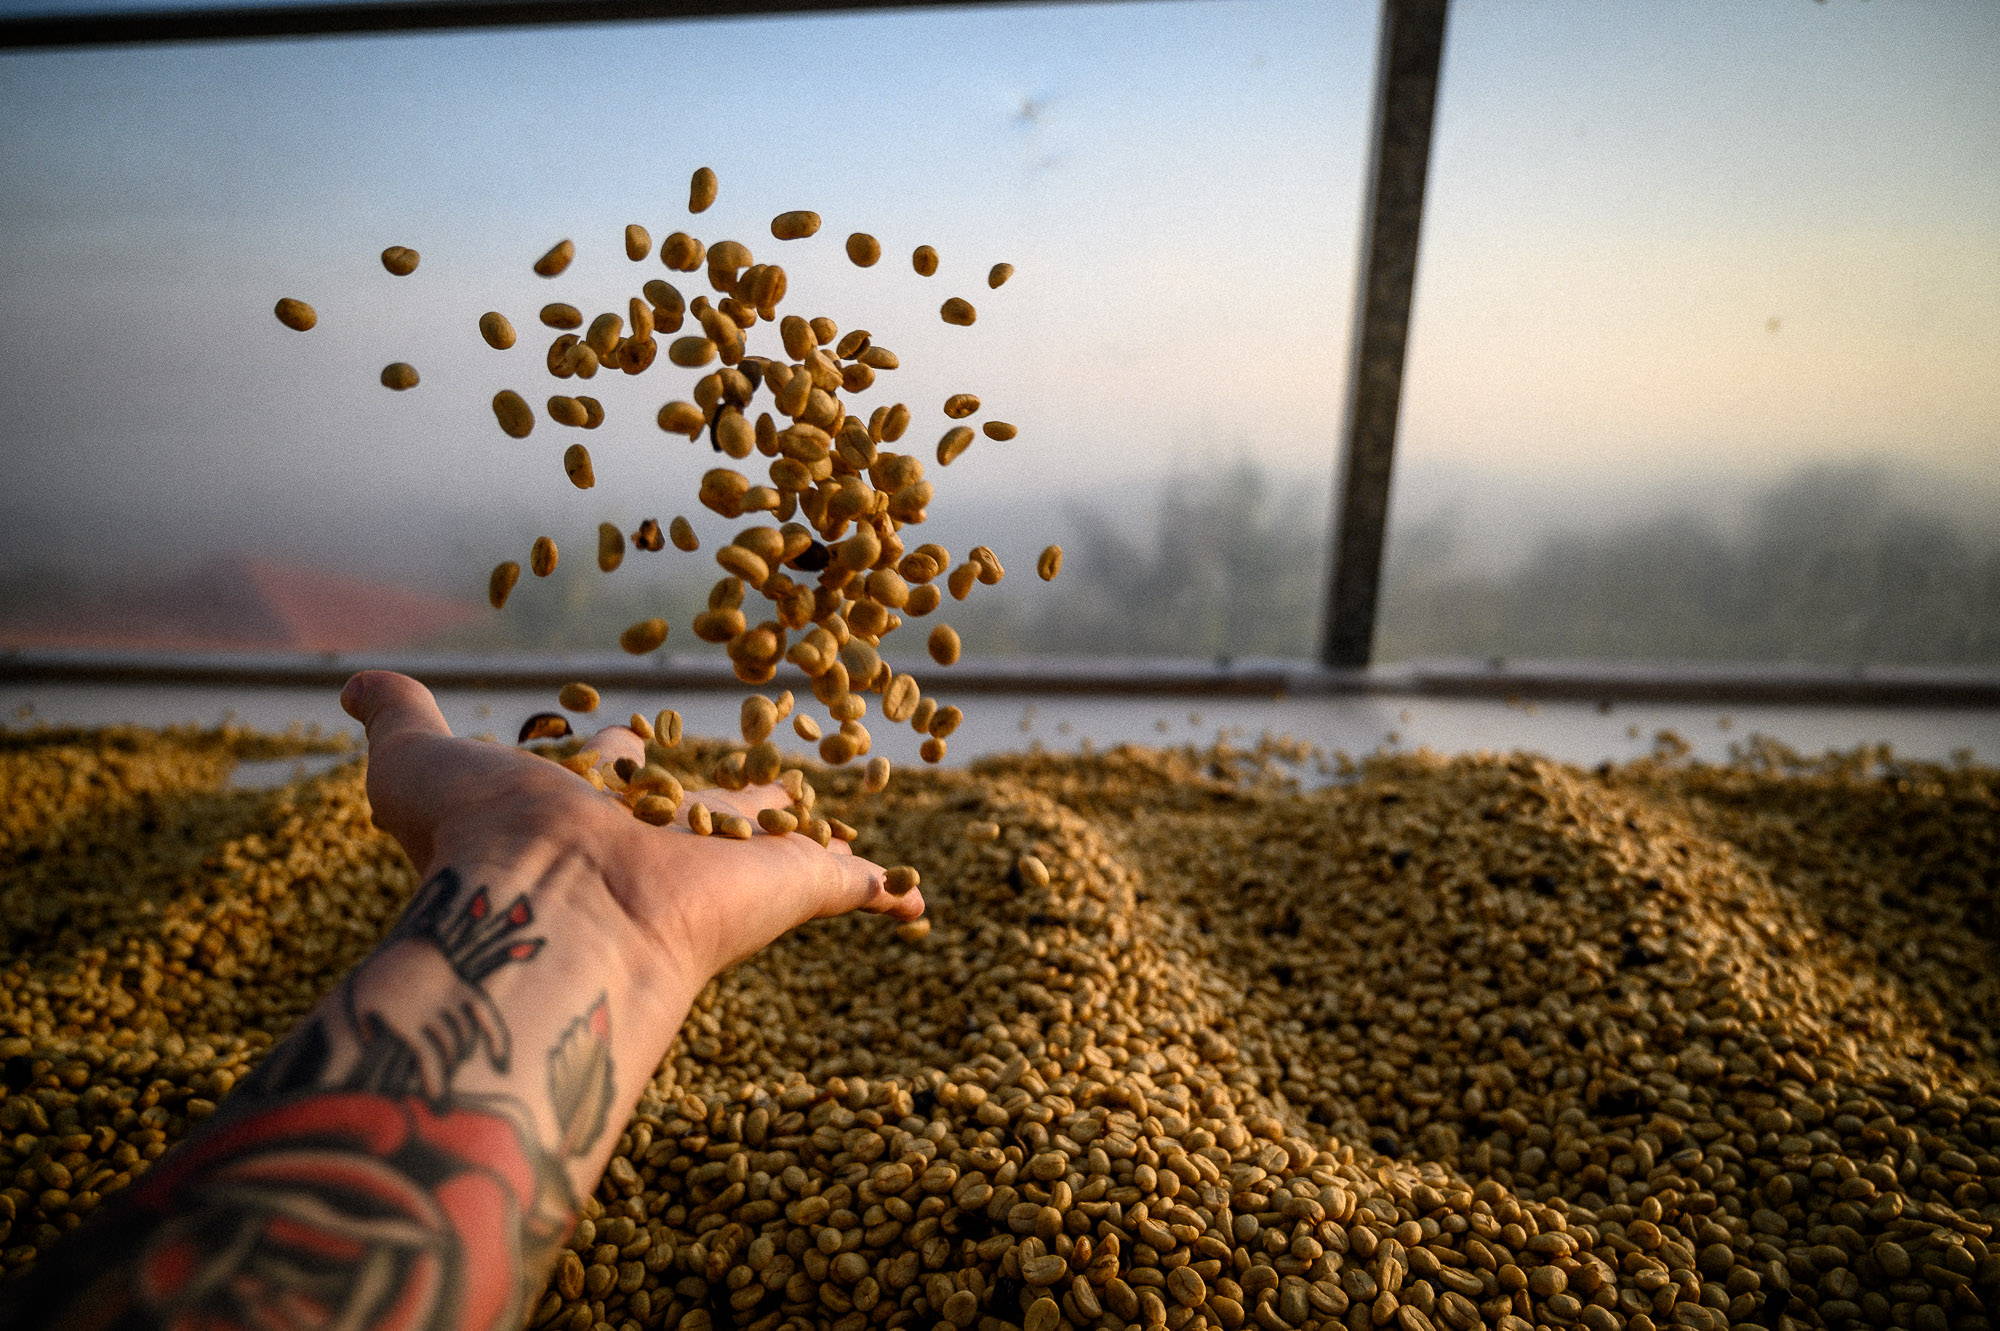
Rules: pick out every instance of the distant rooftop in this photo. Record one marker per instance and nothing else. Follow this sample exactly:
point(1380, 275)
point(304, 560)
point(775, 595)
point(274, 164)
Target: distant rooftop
point(238, 603)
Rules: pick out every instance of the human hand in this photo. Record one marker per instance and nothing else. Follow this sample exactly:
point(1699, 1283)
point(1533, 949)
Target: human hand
point(702, 903)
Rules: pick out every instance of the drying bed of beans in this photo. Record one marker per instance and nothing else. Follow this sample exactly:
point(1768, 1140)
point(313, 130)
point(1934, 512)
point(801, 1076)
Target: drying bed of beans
point(1448, 1043)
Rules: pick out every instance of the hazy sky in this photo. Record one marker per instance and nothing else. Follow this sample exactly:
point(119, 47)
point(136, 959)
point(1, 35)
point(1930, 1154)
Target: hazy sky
point(1162, 176)
point(1623, 196)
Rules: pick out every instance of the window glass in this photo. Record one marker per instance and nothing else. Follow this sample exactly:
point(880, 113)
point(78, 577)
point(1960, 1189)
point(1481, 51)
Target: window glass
point(1175, 183)
point(1705, 359)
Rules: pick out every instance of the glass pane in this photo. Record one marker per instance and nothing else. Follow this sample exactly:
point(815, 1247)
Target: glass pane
point(1175, 183)
point(1706, 354)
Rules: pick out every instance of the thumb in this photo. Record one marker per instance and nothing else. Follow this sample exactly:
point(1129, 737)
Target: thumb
point(388, 704)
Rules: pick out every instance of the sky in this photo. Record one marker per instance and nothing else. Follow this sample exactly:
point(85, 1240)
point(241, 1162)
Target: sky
point(1670, 249)
point(1691, 233)
point(1155, 172)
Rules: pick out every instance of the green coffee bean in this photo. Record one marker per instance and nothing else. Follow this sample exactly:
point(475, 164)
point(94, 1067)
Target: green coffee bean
point(759, 718)
point(501, 583)
point(513, 413)
point(795, 225)
point(691, 352)
point(683, 418)
point(900, 699)
point(610, 547)
point(701, 190)
point(955, 441)
point(644, 636)
point(296, 315)
point(682, 252)
point(557, 259)
point(656, 809)
point(893, 424)
point(495, 328)
point(604, 332)
point(667, 727)
point(544, 725)
point(744, 564)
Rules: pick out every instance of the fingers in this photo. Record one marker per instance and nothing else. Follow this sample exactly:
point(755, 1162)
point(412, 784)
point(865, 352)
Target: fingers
point(753, 800)
point(749, 801)
point(856, 884)
point(615, 742)
point(388, 704)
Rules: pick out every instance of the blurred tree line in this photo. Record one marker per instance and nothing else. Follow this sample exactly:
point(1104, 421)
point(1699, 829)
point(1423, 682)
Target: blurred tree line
point(1833, 565)
point(1828, 566)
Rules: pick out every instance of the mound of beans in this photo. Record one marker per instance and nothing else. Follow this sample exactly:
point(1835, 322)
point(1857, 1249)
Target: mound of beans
point(1447, 1043)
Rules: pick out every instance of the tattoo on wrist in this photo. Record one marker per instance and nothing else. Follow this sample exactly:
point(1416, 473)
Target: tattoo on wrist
point(350, 1181)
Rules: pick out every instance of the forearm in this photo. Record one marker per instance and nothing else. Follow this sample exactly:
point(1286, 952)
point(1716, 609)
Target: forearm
point(420, 1140)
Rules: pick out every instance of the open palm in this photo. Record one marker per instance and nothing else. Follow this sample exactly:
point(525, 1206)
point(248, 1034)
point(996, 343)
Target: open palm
point(707, 901)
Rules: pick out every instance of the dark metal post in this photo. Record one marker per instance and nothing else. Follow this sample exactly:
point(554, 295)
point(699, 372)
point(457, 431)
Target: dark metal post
point(1406, 79)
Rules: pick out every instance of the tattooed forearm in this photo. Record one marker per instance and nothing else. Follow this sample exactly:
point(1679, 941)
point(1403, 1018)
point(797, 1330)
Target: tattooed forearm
point(355, 1180)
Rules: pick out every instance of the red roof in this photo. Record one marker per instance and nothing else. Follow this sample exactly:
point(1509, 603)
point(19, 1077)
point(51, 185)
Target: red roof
point(240, 603)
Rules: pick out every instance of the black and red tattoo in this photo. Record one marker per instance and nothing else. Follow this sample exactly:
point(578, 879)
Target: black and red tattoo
point(348, 1183)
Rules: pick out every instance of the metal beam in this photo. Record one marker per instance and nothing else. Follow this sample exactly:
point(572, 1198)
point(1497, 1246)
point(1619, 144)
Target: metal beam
point(1598, 682)
point(147, 27)
point(1406, 80)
